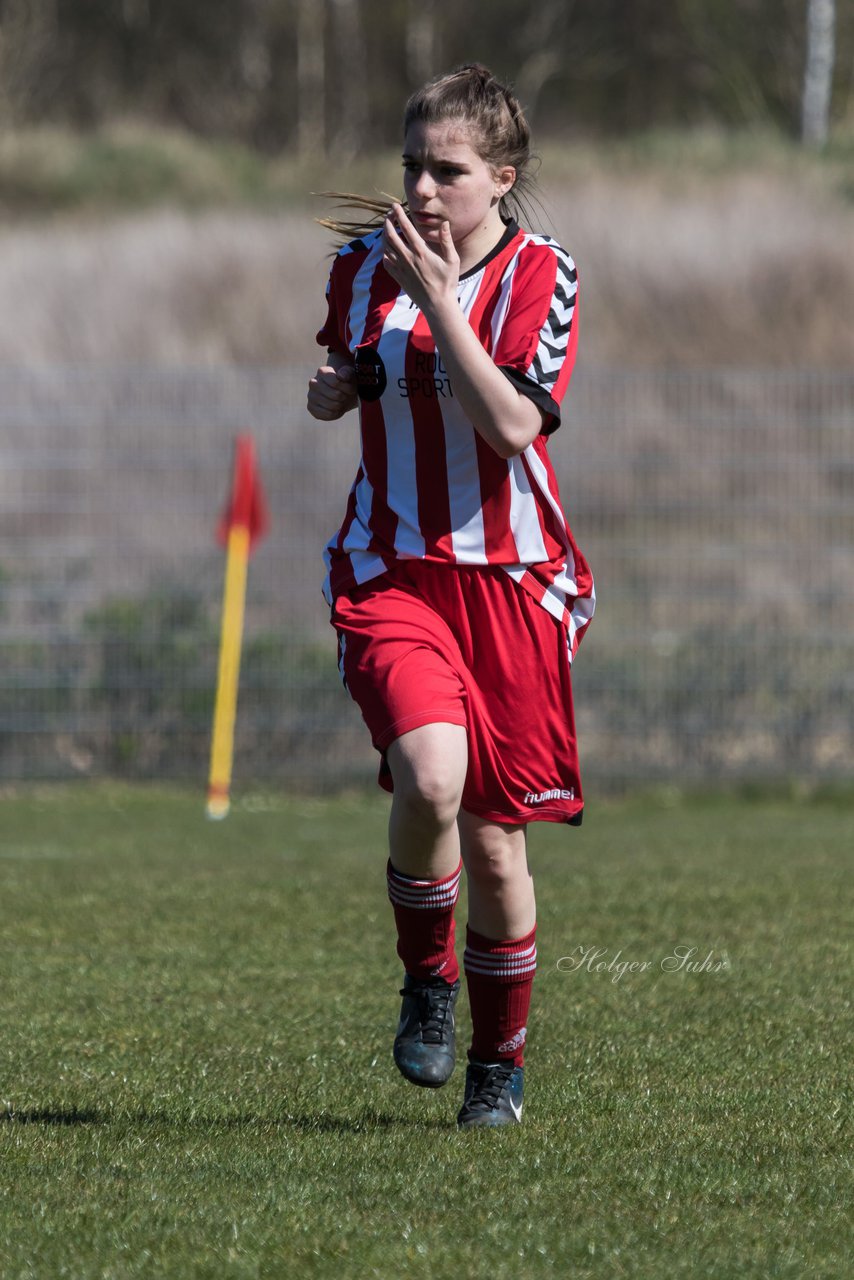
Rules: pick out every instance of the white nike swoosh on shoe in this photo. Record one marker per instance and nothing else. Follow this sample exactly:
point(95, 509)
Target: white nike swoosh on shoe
point(517, 1111)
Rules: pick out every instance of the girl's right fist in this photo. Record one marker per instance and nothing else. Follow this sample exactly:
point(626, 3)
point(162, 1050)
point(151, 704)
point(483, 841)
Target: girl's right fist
point(331, 392)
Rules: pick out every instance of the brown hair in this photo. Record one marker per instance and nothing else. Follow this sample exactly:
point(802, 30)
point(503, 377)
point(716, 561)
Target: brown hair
point(472, 95)
point(501, 136)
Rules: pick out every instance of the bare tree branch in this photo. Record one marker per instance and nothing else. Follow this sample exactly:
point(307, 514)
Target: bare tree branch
point(818, 73)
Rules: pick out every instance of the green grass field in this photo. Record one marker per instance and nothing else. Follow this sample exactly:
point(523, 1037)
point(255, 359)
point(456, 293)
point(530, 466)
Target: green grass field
point(196, 1032)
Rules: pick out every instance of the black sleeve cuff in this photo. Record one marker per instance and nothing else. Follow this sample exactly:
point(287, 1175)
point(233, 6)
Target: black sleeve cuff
point(538, 395)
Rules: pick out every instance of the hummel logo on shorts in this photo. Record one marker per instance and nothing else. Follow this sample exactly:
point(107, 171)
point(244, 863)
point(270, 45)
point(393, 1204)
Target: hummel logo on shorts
point(557, 793)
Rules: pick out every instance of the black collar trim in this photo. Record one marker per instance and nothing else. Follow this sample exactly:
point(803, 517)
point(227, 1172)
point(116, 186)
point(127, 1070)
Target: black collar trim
point(511, 230)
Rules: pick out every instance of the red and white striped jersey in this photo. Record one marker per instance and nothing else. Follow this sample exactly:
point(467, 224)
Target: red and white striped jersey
point(428, 486)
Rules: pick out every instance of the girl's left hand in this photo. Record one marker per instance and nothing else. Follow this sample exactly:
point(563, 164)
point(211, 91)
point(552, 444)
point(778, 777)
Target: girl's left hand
point(428, 273)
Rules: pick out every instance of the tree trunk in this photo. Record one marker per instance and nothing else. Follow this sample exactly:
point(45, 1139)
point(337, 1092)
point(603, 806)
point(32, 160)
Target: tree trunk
point(311, 80)
point(29, 51)
point(818, 74)
point(351, 60)
point(422, 54)
point(540, 48)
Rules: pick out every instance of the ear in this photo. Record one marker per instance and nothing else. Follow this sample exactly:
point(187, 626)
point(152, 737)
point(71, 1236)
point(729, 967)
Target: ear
point(504, 180)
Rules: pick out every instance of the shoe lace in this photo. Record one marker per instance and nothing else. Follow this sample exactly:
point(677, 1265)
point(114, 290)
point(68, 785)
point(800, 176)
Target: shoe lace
point(434, 1002)
point(487, 1092)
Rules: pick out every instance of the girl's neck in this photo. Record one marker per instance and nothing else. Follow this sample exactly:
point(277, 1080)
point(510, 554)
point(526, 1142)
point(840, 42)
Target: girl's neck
point(480, 242)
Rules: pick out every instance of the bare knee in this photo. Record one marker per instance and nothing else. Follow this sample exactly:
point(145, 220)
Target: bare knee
point(429, 773)
point(430, 793)
point(491, 873)
point(496, 857)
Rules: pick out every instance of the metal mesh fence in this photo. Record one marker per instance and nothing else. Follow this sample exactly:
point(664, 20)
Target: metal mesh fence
point(716, 508)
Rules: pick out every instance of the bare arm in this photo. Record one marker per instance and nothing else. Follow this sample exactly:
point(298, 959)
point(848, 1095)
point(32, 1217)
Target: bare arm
point(505, 418)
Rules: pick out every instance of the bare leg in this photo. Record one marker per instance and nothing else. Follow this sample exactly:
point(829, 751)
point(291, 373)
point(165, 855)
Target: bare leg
point(428, 766)
point(500, 887)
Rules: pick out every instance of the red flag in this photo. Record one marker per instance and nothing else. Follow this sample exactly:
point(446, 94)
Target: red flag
point(247, 505)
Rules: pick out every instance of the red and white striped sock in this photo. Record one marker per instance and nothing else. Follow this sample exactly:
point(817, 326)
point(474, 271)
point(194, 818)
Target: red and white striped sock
point(499, 976)
point(424, 915)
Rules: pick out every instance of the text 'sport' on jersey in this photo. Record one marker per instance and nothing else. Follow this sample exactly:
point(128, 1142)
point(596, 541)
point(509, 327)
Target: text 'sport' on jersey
point(371, 377)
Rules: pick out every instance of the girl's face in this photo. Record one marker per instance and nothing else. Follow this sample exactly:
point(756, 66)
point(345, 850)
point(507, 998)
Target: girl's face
point(446, 180)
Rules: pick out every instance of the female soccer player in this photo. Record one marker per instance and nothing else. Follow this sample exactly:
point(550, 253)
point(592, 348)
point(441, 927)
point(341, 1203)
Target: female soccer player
point(457, 591)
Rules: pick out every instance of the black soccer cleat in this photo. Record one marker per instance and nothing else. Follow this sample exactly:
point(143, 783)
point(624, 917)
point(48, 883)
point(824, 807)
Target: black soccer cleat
point(493, 1095)
point(424, 1047)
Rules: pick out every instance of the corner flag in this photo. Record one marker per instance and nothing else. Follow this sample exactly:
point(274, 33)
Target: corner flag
point(244, 521)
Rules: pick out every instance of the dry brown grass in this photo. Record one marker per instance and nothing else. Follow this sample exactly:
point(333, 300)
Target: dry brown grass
point(163, 286)
point(751, 269)
point(746, 268)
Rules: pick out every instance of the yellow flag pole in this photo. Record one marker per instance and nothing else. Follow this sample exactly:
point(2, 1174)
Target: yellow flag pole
point(244, 521)
point(231, 640)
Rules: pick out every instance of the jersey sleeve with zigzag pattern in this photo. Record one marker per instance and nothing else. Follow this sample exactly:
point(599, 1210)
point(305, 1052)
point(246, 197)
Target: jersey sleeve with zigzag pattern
point(537, 343)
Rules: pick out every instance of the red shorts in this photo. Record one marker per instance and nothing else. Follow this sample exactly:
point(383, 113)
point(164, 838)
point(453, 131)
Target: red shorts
point(427, 643)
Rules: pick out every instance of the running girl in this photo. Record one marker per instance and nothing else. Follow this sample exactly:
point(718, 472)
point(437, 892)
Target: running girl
point(457, 590)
